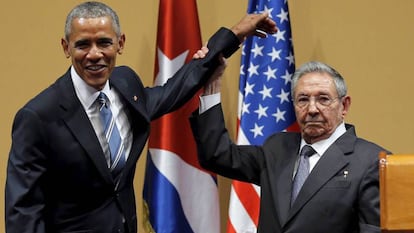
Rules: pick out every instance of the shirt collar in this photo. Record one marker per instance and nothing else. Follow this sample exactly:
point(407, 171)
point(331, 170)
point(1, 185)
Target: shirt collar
point(321, 146)
point(87, 94)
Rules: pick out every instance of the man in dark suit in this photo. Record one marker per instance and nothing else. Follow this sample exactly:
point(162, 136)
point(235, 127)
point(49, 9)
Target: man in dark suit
point(61, 174)
point(340, 193)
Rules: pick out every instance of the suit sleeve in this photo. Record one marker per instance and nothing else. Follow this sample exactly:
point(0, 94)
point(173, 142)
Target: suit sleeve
point(217, 153)
point(369, 203)
point(191, 77)
point(24, 200)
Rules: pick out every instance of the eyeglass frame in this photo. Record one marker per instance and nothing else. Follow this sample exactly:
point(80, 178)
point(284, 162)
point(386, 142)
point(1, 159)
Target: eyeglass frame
point(317, 100)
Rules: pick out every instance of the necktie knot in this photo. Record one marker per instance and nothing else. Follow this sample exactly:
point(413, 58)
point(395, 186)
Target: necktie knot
point(307, 151)
point(102, 100)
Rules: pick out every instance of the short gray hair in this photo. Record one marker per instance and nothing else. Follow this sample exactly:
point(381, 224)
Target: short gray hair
point(319, 67)
point(91, 10)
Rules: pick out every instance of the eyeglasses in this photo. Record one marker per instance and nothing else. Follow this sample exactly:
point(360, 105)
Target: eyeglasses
point(320, 100)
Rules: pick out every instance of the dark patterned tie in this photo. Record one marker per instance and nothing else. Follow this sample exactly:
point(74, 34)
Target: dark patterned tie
point(302, 172)
point(112, 136)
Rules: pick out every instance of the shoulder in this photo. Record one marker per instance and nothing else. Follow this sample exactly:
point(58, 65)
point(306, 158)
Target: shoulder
point(47, 102)
point(44, 105)
point(125, 76)
point(361, 143)
point(359, 149)
point(123, 71)
point(51, 95)
point(366, 145)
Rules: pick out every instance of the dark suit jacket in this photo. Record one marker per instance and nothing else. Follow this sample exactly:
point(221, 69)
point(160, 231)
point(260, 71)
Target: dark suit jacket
point(341, 194)
point(57, 177)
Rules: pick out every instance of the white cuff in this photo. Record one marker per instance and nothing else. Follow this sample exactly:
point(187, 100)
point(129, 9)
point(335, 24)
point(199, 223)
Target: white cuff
point(208, 101)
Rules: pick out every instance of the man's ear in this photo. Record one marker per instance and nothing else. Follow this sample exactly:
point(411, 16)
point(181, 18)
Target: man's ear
point(346, 102)
point(121, 43)
point(65, 47)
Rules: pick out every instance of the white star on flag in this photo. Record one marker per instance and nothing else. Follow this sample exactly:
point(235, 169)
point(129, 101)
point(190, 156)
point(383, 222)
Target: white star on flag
point(168, 67)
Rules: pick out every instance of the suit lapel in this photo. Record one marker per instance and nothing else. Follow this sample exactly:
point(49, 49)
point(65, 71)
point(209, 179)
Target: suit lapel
point(78, 122)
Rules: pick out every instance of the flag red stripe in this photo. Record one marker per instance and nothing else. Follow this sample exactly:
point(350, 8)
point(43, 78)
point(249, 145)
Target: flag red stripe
point(293, 128)
point(177, 18)
point(230, 228)
point(248, 198)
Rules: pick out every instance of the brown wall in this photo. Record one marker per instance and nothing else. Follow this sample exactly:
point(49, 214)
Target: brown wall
point(370, 42)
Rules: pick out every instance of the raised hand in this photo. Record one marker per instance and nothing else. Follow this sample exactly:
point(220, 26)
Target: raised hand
point(254, 24)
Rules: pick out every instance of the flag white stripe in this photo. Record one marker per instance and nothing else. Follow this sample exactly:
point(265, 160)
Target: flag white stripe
point(240, 219)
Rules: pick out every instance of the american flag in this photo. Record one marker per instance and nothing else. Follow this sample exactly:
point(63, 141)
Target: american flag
point(265, 105)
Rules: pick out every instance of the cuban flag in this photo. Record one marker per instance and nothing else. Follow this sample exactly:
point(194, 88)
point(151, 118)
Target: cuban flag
point(179, 196)
point(265, 105)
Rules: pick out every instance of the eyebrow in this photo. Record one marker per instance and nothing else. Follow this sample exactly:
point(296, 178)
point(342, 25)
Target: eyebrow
point(105, 39)
point(100, 40)
point(81, 42)
point(317, 94)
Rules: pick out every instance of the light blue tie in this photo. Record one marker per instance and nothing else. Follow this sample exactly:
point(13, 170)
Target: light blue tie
point(302, 172)
point(112, 136)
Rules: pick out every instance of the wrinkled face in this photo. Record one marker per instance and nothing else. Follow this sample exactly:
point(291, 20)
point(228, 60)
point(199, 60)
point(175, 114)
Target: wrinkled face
point(318, 109)
point(93, 46)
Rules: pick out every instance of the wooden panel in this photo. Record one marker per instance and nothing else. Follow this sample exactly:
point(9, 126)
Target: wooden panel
point(397, 192)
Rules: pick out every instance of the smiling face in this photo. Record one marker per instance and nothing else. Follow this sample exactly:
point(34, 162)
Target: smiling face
point(93, 46)
point(318, 120)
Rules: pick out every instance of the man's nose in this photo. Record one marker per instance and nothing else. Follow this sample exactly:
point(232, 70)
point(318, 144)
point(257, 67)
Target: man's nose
point(313, 106)
point(95, 52)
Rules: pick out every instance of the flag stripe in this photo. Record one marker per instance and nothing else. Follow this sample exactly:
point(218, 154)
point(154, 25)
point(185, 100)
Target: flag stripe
point(158, 206)
point(246, 192)
point(239, 216)
point(183, 177)
point(230, 228)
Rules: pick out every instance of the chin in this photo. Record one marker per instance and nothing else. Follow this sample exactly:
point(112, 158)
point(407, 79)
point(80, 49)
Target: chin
point(97, 85)
point(313, 131)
